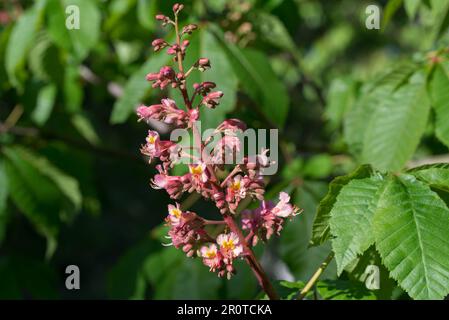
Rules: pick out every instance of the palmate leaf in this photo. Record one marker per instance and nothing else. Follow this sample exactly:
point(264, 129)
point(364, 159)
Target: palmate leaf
point(320, 229)
point(355, 207)
point(410, 230)
point(435, 175)
point(396, 126)
point(439, 94)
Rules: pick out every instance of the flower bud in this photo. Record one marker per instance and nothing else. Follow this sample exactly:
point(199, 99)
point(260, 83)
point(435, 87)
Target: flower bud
point(212, 99)
point(177, 7)
point(188, 29)
point(203, 64)
point(159, 44)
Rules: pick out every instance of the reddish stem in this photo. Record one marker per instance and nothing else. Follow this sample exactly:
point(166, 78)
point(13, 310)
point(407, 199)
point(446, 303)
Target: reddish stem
point(250, 258)
point(252, 261)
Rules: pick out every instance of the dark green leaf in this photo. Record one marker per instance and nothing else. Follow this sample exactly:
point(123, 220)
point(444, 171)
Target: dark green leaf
point(320, 229)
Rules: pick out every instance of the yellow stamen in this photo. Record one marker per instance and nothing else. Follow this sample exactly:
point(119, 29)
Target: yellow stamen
point(151, 139)
point(228, 245)
point(235, 186)
point(210, 254)
point(176, 212)
point(196, 170)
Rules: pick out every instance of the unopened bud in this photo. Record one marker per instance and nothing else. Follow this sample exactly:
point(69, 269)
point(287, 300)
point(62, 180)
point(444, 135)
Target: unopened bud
point(188, 29)
point(203, 64)
point(177, 7)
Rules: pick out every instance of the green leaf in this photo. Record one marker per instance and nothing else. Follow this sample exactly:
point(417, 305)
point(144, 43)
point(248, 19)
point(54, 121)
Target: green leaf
point(66, 184)
point(439, 94)
point(44, 104)
point(44, 60)
point(440, 23)
point(355, 207)
point(411, 7)
point(320, 229)
point(35, 195)
point(257, 79)
point(300, 259)
point(135, 89)
point(272, 30)
point(73, 90)
point(319, 166)
point(87, 36)
point(21, 40)
point(410, 229)
point(26, 278)
point(146, 11)
point(126, 279)
point(389, 11)
point(396, 127)
point(339, 100)
point(435, 175)
point(344, 290)
point(361, 269)
point(85, 128)
point(175, 277)
point(204, 44)
point(371, 96)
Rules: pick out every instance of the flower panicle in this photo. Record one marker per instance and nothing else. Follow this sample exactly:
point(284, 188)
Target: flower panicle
point(187, 230)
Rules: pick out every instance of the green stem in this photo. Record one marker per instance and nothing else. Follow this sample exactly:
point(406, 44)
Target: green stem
point(316, 275)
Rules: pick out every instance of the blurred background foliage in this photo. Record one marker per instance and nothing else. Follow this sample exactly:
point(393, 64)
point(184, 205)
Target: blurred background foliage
point(73, 186)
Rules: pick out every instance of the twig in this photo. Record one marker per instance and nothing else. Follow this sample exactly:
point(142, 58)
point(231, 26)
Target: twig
point(315, 276)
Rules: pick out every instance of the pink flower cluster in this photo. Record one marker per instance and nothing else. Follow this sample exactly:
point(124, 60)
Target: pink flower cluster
point(187, 230)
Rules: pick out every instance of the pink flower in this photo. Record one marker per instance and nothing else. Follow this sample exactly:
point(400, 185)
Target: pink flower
point(268, 219)
point(230, 126)
point(151, 112)
point(284, 209)
point(226, 150)
point(229, 246)
point(189, 28)
point(204, 88)
point(203, 64)
point(212, 99)
point(172, 114)
point(174, 214)
point(174, 185)
point(199, 172)
point(261, 222)
point(236, 188)
point(159, 44)
point(211, 257)
point(235, 192)
point(152, 147)
point(188, 232)
point(163, 78)
point(166, 112)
